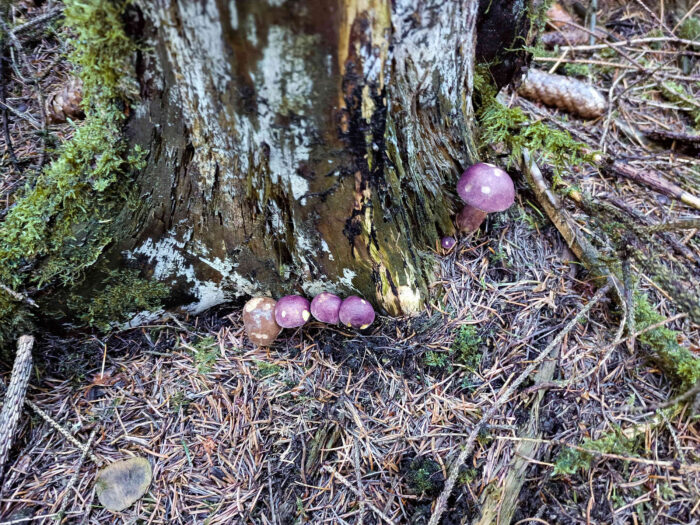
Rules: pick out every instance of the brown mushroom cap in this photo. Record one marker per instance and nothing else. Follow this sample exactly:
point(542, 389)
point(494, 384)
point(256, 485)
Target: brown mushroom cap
point(259, 321)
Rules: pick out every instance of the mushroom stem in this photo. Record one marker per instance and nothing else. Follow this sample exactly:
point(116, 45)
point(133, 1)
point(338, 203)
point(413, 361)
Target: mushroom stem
point(469, 219)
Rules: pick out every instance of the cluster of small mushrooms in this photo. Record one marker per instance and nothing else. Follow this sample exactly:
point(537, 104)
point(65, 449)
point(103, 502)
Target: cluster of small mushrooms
point(264, 318)
point(485, 189)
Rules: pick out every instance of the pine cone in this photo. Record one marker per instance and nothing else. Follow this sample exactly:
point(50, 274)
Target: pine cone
point(65, 104)
point(558, 16)
point(564, 93)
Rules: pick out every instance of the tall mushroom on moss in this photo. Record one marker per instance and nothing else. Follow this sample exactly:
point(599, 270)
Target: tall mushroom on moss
point(484, 188)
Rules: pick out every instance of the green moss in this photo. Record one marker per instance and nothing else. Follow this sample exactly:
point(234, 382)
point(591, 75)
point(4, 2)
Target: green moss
point(465, 350)
point(571, 461)
point(424, 476)
point(675, 360)
point(60, 225)
point(537, 14)
point(466, 347)
point(466, 476)
point(205, 353)
point(122, 294)
point(690, 29)
point(267, 369)
point(437, 360)
point(686, 101)
point(178, 401)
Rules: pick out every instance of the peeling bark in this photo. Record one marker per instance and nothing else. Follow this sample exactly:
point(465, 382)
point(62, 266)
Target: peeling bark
point(299, 146)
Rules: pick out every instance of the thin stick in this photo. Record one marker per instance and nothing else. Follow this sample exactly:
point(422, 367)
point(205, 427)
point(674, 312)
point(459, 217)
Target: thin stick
point(685, 16)
point(74, 477)
point(36, 21)
point(607, 455)
point(18, 296)
point(594, 13)
point(630, 42)
point(502, 398)
point(65, 433)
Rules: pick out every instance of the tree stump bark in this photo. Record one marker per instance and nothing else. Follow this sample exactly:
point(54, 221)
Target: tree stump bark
point(294, 147)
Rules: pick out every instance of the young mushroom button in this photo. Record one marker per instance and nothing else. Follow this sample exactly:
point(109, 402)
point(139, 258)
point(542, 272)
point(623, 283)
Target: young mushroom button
point(292, 311)
point(356, 312)
point(447, 243)
point(325, 307)
point(485, 189)
point(259, 321)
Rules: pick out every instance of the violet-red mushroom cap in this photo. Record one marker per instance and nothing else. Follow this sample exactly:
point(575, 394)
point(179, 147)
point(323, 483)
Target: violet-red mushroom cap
point(356, 312)
point(292, 311)
point(486, 187)
point(325, 307)
point(447, 243)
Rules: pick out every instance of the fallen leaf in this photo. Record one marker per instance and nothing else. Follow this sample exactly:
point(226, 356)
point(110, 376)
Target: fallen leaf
point(120, 484)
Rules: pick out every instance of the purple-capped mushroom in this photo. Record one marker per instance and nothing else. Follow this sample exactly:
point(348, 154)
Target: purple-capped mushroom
point(447, 243)
point(292, 311)
point(356, 312)
point(325, 307)
point(484, 188)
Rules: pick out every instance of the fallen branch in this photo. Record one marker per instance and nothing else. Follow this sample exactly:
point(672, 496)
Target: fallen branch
point(499, 505)
point(14, 397)
point(652, 180)
point(502, 398)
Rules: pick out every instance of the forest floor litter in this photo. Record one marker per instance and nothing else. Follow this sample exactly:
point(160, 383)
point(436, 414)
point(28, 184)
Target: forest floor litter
point(334, 426)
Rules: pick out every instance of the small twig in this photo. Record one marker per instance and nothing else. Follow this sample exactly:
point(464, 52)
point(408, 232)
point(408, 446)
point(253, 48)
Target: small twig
point(630, 42)
point(74, 477)
point(54, 13)
point(18, 296)
point(594, 14)
point(615, 65)
point(28, 519)
point(680, 224)
point(34, 82)
point(685, 17)
point(502, 398)
point(652, 180)
point(607, 455)
point(692, 392)
point(65, 433)
point(357, 493)
point(5, 123)
point(272, 495)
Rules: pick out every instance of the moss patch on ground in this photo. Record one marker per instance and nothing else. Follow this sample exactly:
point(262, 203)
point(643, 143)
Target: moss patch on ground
point(676, 360)
point(61, 224)
point(572, 460)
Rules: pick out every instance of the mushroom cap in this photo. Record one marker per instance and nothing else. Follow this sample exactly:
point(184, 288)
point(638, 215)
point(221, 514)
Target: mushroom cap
point(447, 243)
point(356, 312)
point(292, 311)
point(486, 187)
point(325, 307)
point(259, 321)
